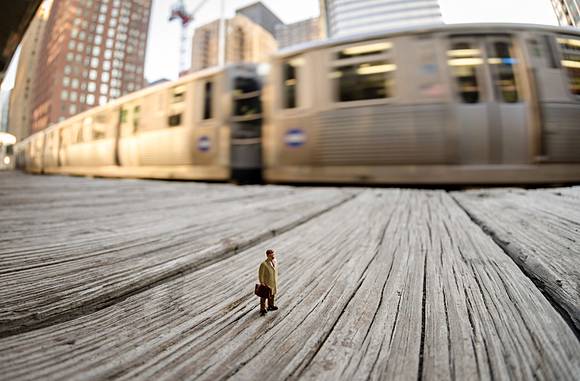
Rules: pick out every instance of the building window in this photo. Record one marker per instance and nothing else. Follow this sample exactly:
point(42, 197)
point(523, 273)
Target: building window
point(72, 109)
point(102, 100)
point(93, 74)
point(65, 81)
point(73, 96)
point(90, 99)
point(64, 95)
point(104, 88)
point(92, 87)
point(75, 83)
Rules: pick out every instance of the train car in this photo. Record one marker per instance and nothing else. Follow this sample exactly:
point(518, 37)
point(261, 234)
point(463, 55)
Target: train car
point(204, 126)
point(7, 156)
point(460, 104)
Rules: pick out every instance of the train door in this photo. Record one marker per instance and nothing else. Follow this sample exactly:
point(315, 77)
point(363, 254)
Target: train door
point(555, 64)
point(209, 139)
point(491, 113)
point(246, 127)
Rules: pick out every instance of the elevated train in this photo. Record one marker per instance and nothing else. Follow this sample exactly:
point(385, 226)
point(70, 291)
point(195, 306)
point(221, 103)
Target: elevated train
point(459, 104)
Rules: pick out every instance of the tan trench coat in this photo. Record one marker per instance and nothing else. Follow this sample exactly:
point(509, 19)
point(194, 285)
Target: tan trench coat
point(268, 275)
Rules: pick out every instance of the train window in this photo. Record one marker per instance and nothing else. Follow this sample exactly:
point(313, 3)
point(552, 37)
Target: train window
point(549, 42)
point(463, 60)
point(207, 100)
point(178, 94)
point(502, 62)
point(246, 85)
point(365, 81)
point(98, 131)
point(9, 149)
point(174, 120)
point(365, 50)
point(535, 48)
point(246, 97)
point(123, 116)
point(247, 106)
point(136, 118)
point(571, 62)
point(289, 81)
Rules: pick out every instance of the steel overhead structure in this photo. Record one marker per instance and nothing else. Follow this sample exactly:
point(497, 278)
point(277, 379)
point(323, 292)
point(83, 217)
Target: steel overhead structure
point(15, 16)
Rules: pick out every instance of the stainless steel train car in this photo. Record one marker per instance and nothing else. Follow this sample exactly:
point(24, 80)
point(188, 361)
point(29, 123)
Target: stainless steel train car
point(448, 104)
point(490, 103)
point(203, 126)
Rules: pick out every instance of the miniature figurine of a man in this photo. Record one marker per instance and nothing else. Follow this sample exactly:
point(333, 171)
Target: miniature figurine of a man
point(268, 276)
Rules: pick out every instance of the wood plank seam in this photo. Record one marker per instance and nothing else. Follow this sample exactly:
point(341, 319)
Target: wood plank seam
point(537, 282)
point(95, 305)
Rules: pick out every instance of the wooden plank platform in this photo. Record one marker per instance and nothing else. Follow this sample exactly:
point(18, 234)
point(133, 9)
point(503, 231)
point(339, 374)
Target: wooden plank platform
point(540, 231)
point(374, 283)
point(109, 252)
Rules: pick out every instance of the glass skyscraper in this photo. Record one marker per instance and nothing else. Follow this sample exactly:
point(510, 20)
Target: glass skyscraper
point(568, 12)
point(346, 17)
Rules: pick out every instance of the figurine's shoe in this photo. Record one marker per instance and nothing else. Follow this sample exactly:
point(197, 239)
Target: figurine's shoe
point(263, 312)
point(273, 308)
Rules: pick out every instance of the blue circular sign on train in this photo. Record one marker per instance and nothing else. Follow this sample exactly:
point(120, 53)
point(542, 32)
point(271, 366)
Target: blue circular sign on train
point(203, 143)
point(295, 138)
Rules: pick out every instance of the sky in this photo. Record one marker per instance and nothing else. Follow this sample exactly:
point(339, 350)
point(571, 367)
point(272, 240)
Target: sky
point(162, 59)
point(162, 56)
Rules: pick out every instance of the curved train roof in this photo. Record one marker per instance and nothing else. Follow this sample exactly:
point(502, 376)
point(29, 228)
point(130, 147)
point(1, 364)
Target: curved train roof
point(434, 28)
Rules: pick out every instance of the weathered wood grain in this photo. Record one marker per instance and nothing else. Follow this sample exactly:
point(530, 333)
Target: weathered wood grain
point(85, 265)
point(540, 231)
point(392, 284)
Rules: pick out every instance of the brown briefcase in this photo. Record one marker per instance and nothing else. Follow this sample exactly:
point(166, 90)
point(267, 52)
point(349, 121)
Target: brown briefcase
point(262, 291)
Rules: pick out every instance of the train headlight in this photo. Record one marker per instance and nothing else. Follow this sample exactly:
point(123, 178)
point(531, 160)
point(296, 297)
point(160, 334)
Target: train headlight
point(6, 160)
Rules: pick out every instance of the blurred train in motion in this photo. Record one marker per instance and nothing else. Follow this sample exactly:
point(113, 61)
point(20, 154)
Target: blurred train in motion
point(454, 104)
point(7, 142)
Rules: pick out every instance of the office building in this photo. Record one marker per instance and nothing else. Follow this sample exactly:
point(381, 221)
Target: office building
point(298, 32)
point(93, 51)
point(261, 15)
point(567, 11)
point(347, 17)
point(246, 41)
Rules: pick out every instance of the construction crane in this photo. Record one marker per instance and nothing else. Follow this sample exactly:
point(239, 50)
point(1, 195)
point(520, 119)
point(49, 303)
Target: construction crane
point(178, 12)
